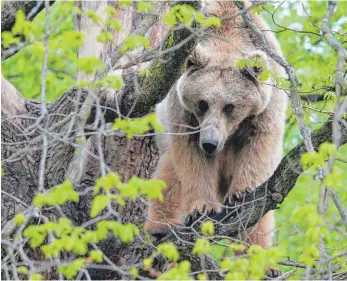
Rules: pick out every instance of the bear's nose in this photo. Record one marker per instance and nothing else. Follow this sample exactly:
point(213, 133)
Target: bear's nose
point(210, 146)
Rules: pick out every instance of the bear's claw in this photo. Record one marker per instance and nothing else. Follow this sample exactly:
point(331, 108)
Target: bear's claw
point(229, 201)
point(212, 213)
point(237, 197)
point(273, 272)
point(195, 215)
point(160, 235)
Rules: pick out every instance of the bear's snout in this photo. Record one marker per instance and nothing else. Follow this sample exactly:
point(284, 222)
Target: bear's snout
point(209, 146)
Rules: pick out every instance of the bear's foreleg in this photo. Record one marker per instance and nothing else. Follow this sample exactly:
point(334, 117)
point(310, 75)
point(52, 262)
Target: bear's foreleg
point(254, 164)
point(191, 184)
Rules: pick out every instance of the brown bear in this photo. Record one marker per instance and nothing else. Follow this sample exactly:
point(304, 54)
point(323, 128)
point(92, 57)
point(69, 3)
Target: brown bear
point(224, 127)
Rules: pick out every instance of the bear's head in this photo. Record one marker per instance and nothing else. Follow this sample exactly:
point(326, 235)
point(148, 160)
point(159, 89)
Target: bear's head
point(221, 94)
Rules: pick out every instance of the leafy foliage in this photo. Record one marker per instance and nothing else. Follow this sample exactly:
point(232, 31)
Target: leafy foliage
point(186, 14)
point(24, 68)
point(138, 126)
point(298, 25)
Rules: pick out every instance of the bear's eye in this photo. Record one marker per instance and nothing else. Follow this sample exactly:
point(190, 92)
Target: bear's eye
point(192, 66)
point(228, 109)
point(202, 106)
point(190, 63)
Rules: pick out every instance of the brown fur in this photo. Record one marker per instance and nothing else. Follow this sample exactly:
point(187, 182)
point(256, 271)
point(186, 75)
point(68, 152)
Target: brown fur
point(249, 140)
point(12, 102)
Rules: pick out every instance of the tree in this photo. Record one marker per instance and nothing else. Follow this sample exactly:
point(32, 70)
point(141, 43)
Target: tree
point(71, 205)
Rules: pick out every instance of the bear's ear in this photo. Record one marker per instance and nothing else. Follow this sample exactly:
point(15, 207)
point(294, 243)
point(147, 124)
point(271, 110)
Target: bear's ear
point(256, 66)
point(195, 61)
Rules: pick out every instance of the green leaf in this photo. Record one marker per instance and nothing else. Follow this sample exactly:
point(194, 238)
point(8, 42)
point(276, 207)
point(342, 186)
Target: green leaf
point(80, 249)
point(202, 276)
point(71, 270)
point(201, 247)
point(90, 64)
point(130, 189)
point(207, 228)
point(36, 237)
point(180, 13)
point(36, 276)
point(126, 233)
point(96, 255)
point(327, 149)
point(334, 179)
point(169, 251)
point(22, 270)
point(100, 202)
point(137, 126)
point(19, 219)
point(111, 81)
point(330, 96)
point(105, 36)
point(241, 63)
point(133, 42)
point(211, 21)
point(124, 3)
point(153, 189)
point(73, 39)
point(76, 10)
point(180, 271)
point(134, 272)
point(8, 39)
point(170, 19)
point(257, 9)
point(264, 75)
point(82, 84)
point(110, 11)
point(114, 24)
point(235, 276)
point(93, 16)
point(147, 263)
point(237, 247)
point(144, 7)
point(58, 195)
point(21, 26)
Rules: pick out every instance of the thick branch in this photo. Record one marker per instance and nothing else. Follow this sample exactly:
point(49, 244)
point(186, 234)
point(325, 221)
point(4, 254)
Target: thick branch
point(162, 74)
